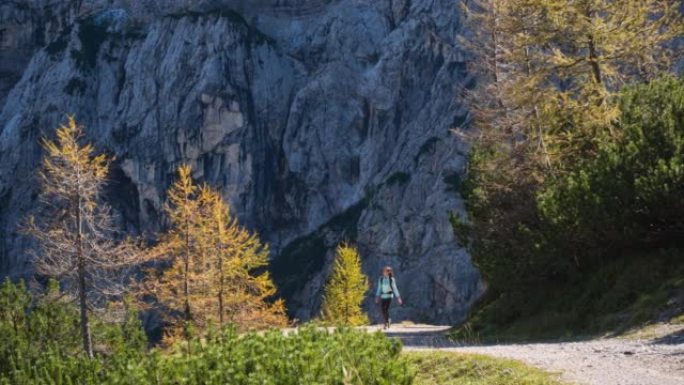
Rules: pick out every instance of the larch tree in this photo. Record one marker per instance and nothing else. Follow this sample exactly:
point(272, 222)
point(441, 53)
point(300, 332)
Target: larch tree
point(550, 67)
point(209, 265)
point(76, 240)
point(506, 106)
point(240, 295)
point(345, 289)
point(181, 287)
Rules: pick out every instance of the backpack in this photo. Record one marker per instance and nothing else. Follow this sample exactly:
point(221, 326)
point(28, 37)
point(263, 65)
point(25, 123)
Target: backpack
point(390, 285)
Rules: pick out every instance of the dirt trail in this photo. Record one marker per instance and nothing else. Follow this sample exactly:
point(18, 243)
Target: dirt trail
point(655, 359)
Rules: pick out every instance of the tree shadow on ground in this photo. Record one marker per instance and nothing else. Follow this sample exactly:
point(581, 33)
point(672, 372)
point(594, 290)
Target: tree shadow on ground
point(673, 338)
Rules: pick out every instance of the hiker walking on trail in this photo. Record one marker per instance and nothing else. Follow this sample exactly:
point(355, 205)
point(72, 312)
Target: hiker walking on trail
point(386, 290)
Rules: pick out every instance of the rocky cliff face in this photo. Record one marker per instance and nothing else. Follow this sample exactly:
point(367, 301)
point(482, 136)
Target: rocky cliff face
point(319, 120)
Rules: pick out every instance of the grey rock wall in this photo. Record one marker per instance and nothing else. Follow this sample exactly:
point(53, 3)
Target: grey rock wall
point(320, 121)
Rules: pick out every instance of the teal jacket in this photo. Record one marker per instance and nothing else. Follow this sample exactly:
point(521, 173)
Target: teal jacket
point(387, 288)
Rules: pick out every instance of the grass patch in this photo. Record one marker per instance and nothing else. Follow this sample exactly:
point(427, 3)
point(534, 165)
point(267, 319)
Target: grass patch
point(444, 368)
point(679, 320)
point(309, 356)
point(624, 294)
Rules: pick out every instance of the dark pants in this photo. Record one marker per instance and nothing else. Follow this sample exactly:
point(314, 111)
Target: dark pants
point(385, 304)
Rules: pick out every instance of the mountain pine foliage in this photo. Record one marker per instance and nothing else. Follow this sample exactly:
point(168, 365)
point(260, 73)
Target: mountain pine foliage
point(39, 345)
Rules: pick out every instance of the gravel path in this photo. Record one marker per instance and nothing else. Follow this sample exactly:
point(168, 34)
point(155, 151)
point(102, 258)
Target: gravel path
point(657, 359)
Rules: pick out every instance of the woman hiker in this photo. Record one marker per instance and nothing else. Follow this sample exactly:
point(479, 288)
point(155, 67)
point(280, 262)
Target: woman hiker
point(386, 290)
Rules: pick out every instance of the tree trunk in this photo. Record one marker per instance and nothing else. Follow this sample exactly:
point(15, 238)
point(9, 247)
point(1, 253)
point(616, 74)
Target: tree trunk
point(347, 317)
point(540, 131)
point(220, 293)
point(85, 323)
point(593, 54)
point(82, 303)
point(186, 272)
point(593, 61)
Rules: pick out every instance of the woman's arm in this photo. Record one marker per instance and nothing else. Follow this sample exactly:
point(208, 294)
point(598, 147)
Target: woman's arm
point(394, 288)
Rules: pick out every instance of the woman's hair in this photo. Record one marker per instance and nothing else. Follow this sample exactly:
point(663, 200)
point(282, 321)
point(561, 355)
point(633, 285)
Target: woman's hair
point(389, 271)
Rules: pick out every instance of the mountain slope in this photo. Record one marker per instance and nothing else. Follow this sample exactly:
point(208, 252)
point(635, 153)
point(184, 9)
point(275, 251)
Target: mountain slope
point(319, 120)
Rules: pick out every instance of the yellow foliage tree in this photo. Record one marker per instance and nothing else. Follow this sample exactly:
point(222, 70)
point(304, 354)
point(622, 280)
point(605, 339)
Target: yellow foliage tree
point(548, 68)
point(238, 295)
point(181, 288)
point(345, 289)
point(212, 262)
point(75, 235)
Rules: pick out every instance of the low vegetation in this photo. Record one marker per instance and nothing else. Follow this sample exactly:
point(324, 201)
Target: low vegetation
point(39, 345)
point(467, 369)
point(613, 300)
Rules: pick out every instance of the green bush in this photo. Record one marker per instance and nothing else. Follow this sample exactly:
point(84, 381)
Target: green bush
point(45, 328)
point(536, 234)
point(309, 356)
point(31, 325)
point(39, 344)
point(631, 194)
point(510, 242)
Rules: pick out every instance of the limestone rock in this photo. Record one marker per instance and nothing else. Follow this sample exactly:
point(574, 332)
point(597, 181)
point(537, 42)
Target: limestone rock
point(319, 120)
